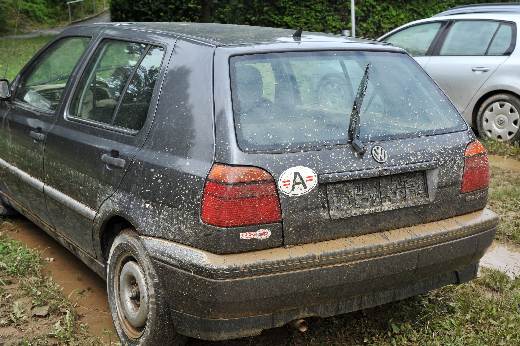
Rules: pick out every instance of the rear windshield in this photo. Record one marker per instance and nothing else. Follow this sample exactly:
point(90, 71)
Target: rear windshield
point(298, 100)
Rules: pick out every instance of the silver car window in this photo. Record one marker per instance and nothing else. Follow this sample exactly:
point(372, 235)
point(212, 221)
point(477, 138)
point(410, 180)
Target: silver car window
point(502, 41)
point(468, 38)
point(416, 39)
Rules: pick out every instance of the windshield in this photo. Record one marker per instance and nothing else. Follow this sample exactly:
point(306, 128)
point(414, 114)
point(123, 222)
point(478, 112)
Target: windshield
point(298, 100)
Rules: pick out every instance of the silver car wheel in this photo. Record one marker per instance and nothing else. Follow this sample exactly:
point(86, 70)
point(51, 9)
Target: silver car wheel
point(133, 297)
point(500, 121)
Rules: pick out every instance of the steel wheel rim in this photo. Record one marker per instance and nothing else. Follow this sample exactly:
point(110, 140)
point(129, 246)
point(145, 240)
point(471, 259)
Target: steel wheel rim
point(501, 121)
point(131, 295)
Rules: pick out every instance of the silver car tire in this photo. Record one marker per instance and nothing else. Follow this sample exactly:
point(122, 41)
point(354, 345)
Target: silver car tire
point(137, 304)
point(499, 118)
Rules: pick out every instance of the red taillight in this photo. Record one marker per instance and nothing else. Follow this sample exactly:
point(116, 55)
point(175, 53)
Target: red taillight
point(240, 196)
point(476, 168)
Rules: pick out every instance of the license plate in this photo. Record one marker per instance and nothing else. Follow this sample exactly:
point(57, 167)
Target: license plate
point(373, 195)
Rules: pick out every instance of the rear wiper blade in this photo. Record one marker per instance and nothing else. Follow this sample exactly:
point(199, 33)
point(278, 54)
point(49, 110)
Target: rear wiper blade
point(354, 126)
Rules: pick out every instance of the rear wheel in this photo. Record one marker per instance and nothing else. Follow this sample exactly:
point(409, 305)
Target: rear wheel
point(499, 118)
point(136, 301)
point(6, 209)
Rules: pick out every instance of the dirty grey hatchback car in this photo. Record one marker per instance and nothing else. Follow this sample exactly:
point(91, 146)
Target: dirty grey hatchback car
point(230, 179)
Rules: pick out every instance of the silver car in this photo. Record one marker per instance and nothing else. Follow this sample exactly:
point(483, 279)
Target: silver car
point(475, 59)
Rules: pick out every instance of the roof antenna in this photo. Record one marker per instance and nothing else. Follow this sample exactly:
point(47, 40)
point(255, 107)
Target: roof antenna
point(297, 36)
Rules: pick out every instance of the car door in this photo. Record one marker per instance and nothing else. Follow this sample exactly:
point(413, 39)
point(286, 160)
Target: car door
point(468, 54)
point(29, 115)
point(417, 39)
point(90, 148)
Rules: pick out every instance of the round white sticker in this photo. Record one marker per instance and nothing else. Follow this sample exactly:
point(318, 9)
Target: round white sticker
point(297, 181)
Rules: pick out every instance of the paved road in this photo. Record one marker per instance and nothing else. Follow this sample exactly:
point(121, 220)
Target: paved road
point(102, 18)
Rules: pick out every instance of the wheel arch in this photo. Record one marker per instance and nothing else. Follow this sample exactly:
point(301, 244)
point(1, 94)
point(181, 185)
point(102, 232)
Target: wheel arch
point(108, 231)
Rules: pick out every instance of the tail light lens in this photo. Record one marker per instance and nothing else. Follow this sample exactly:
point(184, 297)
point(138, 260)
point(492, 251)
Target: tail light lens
point(240, 196)
point(476, 168)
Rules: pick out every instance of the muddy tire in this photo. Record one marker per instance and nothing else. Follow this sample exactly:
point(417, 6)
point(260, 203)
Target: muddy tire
point(499, 118)
point(136, 301)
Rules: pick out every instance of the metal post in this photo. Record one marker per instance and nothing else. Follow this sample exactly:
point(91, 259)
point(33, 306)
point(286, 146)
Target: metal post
point(70, 13)
point(353, 16)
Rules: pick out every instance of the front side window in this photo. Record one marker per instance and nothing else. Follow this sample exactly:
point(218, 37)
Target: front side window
point(477, 38)
point(416, 39)
point(117, 85)
point(42, 87)
point(304, 100)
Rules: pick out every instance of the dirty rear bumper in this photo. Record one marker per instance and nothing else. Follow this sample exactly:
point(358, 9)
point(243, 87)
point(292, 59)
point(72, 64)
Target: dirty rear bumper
point(217, 297)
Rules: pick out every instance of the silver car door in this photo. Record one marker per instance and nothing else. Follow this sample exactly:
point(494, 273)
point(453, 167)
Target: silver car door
point(468, 55)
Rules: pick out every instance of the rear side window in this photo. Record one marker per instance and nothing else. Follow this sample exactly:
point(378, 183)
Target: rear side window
point(416, 39)
point(478, 38)
point(117, 85)
point(502, 42)
point(314, 94)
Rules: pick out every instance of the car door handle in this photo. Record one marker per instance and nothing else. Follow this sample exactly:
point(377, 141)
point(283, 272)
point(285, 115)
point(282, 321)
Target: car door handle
point(37, 135)
point(113, 161)
point(480, 69)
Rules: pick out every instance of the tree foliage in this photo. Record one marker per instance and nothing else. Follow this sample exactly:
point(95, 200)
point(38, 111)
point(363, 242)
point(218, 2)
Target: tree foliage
point(374, 17)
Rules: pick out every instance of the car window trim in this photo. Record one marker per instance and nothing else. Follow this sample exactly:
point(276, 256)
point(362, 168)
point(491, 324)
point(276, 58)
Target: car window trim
point(87, 59)
point(508, 52)
point(29, 68)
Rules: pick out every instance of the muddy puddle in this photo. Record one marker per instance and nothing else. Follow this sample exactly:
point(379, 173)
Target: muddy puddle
point(79, 283)
point(504, 163)
point(503, 258)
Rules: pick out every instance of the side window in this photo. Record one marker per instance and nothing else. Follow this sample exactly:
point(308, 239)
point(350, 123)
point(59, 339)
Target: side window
point(469, 38)
point(42, 87)
point(136, 102)
point(416, 39)
point(502, 41)
point(117, 85)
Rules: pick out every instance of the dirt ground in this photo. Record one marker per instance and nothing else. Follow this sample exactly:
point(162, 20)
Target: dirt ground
point(79, 283)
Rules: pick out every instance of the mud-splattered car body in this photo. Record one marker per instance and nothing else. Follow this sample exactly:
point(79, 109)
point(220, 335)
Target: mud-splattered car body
point(84, 181)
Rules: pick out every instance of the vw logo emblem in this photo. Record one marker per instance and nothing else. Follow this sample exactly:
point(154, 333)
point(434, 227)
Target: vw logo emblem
point(379, 154)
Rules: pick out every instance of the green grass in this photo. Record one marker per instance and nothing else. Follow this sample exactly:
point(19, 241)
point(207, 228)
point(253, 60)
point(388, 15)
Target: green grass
point(504, 199)
point(15, 53)
point(502, 149)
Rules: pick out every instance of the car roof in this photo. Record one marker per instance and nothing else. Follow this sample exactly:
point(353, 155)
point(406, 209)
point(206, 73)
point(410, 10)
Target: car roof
point(509, 16)
point(482, 8)
point(229, 34)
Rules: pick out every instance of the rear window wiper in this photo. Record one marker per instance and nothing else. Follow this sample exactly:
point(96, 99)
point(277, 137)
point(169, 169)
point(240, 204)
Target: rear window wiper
point(354, 126)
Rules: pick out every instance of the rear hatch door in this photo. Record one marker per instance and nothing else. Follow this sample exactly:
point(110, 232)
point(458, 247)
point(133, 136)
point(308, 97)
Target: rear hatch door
point(292, 113)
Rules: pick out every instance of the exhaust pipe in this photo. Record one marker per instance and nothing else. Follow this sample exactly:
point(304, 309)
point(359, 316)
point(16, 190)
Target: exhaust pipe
point(300, 325)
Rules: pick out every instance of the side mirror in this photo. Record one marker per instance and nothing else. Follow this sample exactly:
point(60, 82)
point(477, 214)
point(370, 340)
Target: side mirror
point(5, 91)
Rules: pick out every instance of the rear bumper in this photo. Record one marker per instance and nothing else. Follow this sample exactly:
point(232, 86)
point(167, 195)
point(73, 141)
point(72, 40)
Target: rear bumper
point(218, 297)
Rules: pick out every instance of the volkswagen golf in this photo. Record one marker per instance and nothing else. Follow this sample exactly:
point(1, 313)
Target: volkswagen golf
point(229, 179)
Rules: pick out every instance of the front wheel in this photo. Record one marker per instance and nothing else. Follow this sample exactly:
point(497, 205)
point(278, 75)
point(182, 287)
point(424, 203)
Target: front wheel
point(499, 118)
point(136, 302)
